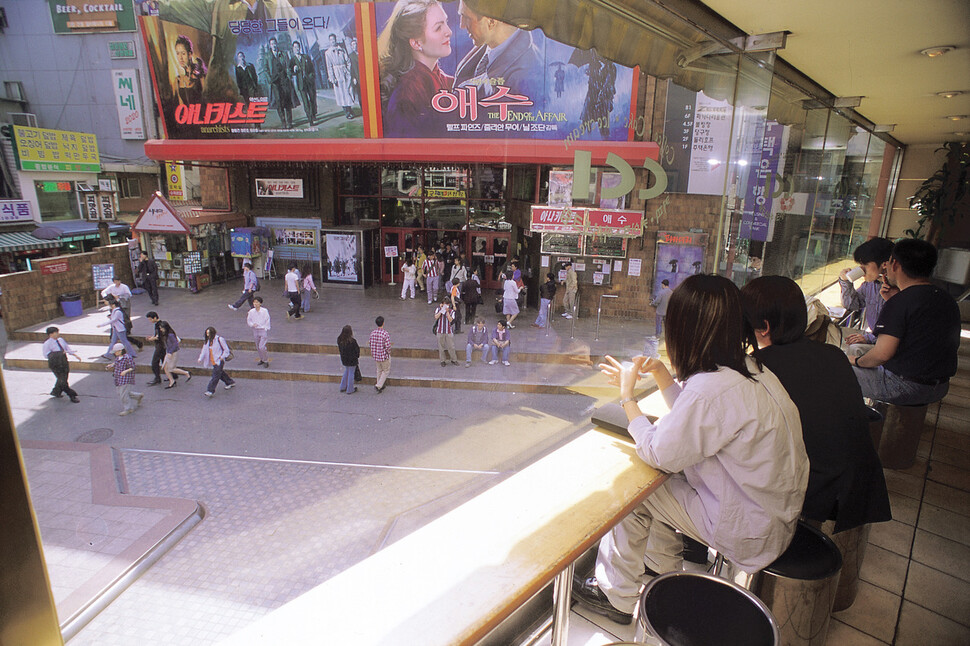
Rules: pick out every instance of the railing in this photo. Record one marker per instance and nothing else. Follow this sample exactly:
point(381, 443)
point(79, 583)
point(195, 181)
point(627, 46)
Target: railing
point(457, 578)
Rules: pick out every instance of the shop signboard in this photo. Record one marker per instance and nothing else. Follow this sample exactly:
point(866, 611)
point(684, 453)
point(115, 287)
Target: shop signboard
point(160, 217)
point(565, 243)
point(131, 119)
point(103, 275)
point(91, 206)
point(762, 170)
point(314, 71)
point(342, 253)
point(614, 222)
point(58, 267)
point(56, 150)
point(107, 205)
point(15, 211)
point(291, 188)
point(605, 247)
point(561, 219)
point(698, 131)
point(390, 251)
point(84, 17)
point(121, 49)
point(176, 181)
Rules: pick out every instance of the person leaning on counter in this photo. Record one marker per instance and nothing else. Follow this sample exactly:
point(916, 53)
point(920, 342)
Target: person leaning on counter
point(732, 443)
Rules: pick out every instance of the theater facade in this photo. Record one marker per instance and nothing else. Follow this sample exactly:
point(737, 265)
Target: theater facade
point(635, 141)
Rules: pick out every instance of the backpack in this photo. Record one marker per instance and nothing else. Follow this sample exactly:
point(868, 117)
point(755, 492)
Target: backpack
point(256, 288)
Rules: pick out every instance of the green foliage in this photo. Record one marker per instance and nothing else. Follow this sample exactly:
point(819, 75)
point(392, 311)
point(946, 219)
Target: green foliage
point(943, 197)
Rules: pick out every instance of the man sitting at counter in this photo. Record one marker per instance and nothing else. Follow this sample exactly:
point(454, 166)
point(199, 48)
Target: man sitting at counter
point(732, 443)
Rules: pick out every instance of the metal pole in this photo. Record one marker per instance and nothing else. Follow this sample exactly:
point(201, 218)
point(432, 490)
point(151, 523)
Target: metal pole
point(600, 309)
point(392, 272)
point(572, 328)
point(561, 597)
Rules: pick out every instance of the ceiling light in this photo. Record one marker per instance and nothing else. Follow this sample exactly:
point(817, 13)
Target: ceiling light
point(939, 50)
point(956, 117)
point(949, 94)
point(959, 133)
point(884, 127)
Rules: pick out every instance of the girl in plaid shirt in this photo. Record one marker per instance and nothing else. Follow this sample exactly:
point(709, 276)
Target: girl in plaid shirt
point(123, 369)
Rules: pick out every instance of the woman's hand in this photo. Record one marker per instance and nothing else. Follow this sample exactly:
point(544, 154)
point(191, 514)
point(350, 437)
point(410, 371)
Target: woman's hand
point(624, 374)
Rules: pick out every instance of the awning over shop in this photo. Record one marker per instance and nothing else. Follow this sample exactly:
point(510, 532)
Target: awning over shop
point(74, 230)
point(194, 216)
point(469, 151)
point(23, 241)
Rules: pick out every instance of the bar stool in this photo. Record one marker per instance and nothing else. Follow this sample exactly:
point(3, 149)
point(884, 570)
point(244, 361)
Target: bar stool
point(694, 609)
point(852, 544)
point(876, 422)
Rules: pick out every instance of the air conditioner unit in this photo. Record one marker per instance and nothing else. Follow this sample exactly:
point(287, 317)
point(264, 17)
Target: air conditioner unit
point(23, 119)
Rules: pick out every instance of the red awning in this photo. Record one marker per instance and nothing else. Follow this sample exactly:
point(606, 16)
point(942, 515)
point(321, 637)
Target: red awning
point(471, 151)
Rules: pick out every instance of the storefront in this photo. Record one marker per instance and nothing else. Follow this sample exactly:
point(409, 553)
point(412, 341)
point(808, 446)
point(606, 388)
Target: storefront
point(192, 247)
point(692, 132)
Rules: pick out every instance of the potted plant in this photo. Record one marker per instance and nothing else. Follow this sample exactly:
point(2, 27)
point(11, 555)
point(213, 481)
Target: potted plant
point(944, 197)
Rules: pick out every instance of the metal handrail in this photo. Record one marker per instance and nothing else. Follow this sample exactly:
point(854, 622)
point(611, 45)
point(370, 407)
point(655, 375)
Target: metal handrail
point(599, 310)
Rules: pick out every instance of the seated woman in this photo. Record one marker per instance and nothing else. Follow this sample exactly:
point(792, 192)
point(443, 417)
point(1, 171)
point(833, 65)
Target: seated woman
point(845, 481)
point(731, 442)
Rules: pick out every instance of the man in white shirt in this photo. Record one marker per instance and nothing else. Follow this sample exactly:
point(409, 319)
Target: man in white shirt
point(55, 351)
point(292, 280)
point(121, 292)
point(258, 320)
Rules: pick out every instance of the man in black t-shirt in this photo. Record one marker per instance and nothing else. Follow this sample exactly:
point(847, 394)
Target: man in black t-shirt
point(917, 334)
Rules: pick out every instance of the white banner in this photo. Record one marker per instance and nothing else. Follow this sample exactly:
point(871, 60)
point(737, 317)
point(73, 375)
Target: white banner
point(128, 102)
point(279, 188)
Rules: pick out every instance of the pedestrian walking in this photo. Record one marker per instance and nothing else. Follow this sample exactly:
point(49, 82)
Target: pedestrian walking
point(349, 358)
point(661, 304)
point(500, 344)
point(148, 272)
point(380, 351)
point(121, 293)
point(547, 292)
point(471, 295)
point(309, 290)
point(433, 276)
point(258, 320)
point(55, 350)
point(159, 354)
point(572, 289)
point(419, 263)
point(250, 287)
point(123, 370)
point(292, 280)
point(119, 332)
point(510, 305)
point(215, 353)
point(444, 317)
point(170, 363)
point(410, 277)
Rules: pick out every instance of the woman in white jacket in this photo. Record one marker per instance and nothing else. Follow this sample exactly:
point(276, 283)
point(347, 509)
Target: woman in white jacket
point(732, 444)
point(215, 352)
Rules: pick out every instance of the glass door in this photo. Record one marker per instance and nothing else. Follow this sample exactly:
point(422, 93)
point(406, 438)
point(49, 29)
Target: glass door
point(489, 254)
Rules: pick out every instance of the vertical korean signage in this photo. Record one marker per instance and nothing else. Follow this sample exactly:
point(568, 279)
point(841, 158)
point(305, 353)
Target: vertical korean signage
point(699, 129)
point(762, 172)
point(131, 119)
point(176, 181)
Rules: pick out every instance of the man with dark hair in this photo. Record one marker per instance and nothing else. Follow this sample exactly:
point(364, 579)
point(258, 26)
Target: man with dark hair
point(55, 351)
point(660, 302)
point(872, 256)
point(159, 355)
point(250, 286)
point(917, 334)
point(148, 272)
point(380, 350)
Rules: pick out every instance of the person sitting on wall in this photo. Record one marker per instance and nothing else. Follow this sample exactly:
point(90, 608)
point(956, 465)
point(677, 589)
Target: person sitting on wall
point(917, 334)
point(845, 480)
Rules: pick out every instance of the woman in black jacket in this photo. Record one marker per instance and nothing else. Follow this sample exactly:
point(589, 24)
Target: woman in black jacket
point(845, 481)
point(349, 357)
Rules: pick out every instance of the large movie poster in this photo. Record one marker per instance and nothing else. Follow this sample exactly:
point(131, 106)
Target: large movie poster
point(473, 76)
point(412, 68)
point(229, 69)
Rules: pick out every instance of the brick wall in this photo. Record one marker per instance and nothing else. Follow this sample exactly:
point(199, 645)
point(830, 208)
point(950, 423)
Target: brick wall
point(30, 297)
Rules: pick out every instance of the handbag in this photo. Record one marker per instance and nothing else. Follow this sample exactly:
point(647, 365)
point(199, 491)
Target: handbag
point(230, 356)
point(357, 376)
point(434, 327)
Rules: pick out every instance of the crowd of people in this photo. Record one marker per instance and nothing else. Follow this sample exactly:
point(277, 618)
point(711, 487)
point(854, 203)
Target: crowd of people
point(766, 425)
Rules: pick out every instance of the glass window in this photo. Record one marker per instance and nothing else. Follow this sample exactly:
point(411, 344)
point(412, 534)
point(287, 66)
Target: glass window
point(57, 200)
point(446, 178)
point(445, 214)
point(129, 187)
point(400, 181)
point(487, 182)
point(359, 180)
point(400, 213)
point(487, 215)
point(524, 183)
point(354, 210)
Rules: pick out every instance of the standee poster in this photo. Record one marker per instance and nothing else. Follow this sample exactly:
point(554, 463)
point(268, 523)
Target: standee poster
point(271, 69)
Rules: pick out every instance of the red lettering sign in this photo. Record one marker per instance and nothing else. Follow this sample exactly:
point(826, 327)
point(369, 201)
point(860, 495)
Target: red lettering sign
point(54, 268)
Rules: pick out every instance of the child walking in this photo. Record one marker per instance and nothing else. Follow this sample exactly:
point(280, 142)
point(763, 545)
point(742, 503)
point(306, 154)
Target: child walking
point(124, 376)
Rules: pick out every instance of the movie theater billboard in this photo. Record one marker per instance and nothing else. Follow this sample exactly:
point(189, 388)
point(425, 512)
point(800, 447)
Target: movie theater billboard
point(272, 70)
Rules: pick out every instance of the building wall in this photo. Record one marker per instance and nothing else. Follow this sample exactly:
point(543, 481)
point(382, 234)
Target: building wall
point(30, 297)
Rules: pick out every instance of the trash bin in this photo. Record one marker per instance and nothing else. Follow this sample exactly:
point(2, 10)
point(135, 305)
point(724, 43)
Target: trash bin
point(694, 609)
point(71, 304)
